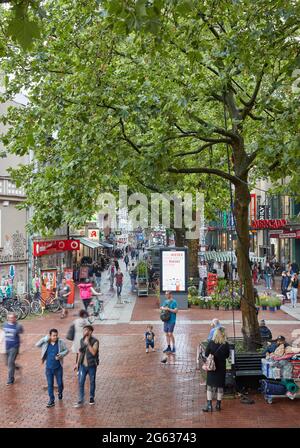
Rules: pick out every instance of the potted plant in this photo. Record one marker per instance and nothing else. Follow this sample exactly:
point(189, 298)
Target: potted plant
point(227, 304)
point(272, 304)
point(263, 302)
point(277, 302)
point(216, 304)
point(201, 303)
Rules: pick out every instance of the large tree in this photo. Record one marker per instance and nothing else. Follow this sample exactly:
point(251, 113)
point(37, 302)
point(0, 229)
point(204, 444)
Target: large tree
point(169, 95)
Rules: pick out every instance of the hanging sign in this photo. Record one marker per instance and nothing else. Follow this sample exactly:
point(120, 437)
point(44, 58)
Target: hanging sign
point(49, 247)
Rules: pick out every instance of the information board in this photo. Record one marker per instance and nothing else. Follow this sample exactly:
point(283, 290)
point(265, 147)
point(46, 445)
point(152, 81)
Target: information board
point(173, 270)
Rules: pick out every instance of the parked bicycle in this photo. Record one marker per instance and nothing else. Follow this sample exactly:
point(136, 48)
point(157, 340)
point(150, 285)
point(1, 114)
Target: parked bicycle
point(95, 310)
point(3, 314)
point(51, 303)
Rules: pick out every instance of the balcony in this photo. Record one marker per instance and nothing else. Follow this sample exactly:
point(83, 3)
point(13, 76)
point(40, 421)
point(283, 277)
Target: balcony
point(9, 189)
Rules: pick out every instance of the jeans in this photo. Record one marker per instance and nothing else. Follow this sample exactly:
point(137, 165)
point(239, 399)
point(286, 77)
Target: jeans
point(86, 303)
point(58, 374)
point(111, 282)
point(98, 282)
point(294, 293)
point(83, 371)
point(268, 281)
point(132, 284)
point(11, 355)
point(119, 290)
point(149, 344)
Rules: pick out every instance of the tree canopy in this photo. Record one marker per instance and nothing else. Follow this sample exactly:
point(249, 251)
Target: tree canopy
point(138, 92)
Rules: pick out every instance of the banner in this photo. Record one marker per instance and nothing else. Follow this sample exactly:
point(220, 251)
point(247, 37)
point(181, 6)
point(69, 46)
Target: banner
point(49, 247)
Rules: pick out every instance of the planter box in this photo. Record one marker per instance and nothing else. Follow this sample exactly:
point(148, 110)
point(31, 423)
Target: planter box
point(272, 308)
point(264, 307)
point(278, 307)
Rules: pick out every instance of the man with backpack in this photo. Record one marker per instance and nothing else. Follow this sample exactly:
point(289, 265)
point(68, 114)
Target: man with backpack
point(87, 364)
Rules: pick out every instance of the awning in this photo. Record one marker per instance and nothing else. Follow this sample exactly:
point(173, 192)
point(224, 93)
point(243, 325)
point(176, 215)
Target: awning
point(89, 243)
point(105, 244)
point(228, 256)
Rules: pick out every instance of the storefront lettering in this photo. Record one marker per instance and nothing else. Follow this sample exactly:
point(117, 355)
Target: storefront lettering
point(268, 223)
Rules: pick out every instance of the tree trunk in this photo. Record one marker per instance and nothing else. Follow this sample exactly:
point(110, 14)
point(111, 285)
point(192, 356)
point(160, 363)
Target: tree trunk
point(193, 247)
point(179, 237)
point(250, 328)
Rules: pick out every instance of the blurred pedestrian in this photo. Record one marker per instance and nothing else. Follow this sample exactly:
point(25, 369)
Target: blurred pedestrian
point(79, 324)
point(64, 291)
point(119, 283)
point(86, 291)
point(12, 331)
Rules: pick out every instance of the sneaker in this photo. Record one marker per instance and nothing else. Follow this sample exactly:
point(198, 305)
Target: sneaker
point(92, 401)
point(50, 404)
point(60, 396)
point(9, 383)
point(79, 404)
point(173, 350)
point(167, 350)
point(147, 351)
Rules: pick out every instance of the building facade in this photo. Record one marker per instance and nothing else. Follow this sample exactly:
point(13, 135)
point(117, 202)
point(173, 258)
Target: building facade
point(13, 236)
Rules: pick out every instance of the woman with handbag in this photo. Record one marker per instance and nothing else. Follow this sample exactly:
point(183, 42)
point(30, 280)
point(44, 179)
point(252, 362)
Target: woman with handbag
point(217, 352)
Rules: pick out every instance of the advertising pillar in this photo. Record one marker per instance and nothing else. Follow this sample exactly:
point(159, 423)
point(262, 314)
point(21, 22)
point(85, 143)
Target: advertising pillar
point(174, 275)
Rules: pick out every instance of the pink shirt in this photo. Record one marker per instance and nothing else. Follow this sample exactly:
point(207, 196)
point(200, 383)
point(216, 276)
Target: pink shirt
point(85, 290)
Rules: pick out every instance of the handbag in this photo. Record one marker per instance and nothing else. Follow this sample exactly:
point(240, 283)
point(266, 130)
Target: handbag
point(71, 333)
point(165, 315)
point(210, 365)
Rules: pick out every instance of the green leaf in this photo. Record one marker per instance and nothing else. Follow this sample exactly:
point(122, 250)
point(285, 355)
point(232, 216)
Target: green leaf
point(23, 31)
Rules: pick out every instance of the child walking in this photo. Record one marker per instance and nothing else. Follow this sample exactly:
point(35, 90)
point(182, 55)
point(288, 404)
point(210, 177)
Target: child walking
point(149, 338)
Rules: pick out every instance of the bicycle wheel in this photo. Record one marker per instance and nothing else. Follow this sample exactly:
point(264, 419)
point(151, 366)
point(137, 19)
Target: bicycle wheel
point(91, 314)
point(25, 307)
point(3, 314)
point(17, 311)
point(36, 307)
point(54, 306)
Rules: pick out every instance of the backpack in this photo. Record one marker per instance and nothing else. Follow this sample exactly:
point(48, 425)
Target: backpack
point(71, 333)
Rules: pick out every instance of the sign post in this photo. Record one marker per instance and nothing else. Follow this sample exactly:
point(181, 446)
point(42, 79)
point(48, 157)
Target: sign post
point(174, 274)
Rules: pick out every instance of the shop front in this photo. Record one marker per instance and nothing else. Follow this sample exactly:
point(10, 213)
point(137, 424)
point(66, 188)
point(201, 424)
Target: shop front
point(53, 260)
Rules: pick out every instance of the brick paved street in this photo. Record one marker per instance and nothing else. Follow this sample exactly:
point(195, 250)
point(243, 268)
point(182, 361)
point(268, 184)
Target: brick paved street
point(133, 388)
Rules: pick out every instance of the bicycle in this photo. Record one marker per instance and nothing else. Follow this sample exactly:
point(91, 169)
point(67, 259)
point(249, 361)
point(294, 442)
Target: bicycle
point(95, 310)
point(51, 303)
point(3, 314)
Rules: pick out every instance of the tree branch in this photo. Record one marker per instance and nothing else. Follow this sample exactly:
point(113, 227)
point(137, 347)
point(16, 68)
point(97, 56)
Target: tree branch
point(250, 104)
point(127, 139)
point(235, 180)
point(197, 151)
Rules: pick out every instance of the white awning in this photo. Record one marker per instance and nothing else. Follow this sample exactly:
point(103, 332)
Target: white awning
point(89, 243)
point(228, 256)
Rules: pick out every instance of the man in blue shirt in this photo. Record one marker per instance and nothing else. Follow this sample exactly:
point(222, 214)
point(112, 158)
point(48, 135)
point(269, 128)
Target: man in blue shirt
point(12, 331)
point(53, 351)
point(171, 305)
point(215, 323)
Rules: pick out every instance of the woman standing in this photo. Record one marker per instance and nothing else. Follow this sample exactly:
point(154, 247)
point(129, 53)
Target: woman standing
point(218, 347)
point(79, 323)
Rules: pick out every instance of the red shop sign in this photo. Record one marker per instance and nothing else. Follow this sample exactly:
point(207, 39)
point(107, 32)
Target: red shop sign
point(49, 247)
point(268, 223)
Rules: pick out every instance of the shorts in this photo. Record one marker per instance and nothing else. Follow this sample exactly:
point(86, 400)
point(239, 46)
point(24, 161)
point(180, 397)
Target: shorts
point(63, 302)
point(169, 327)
